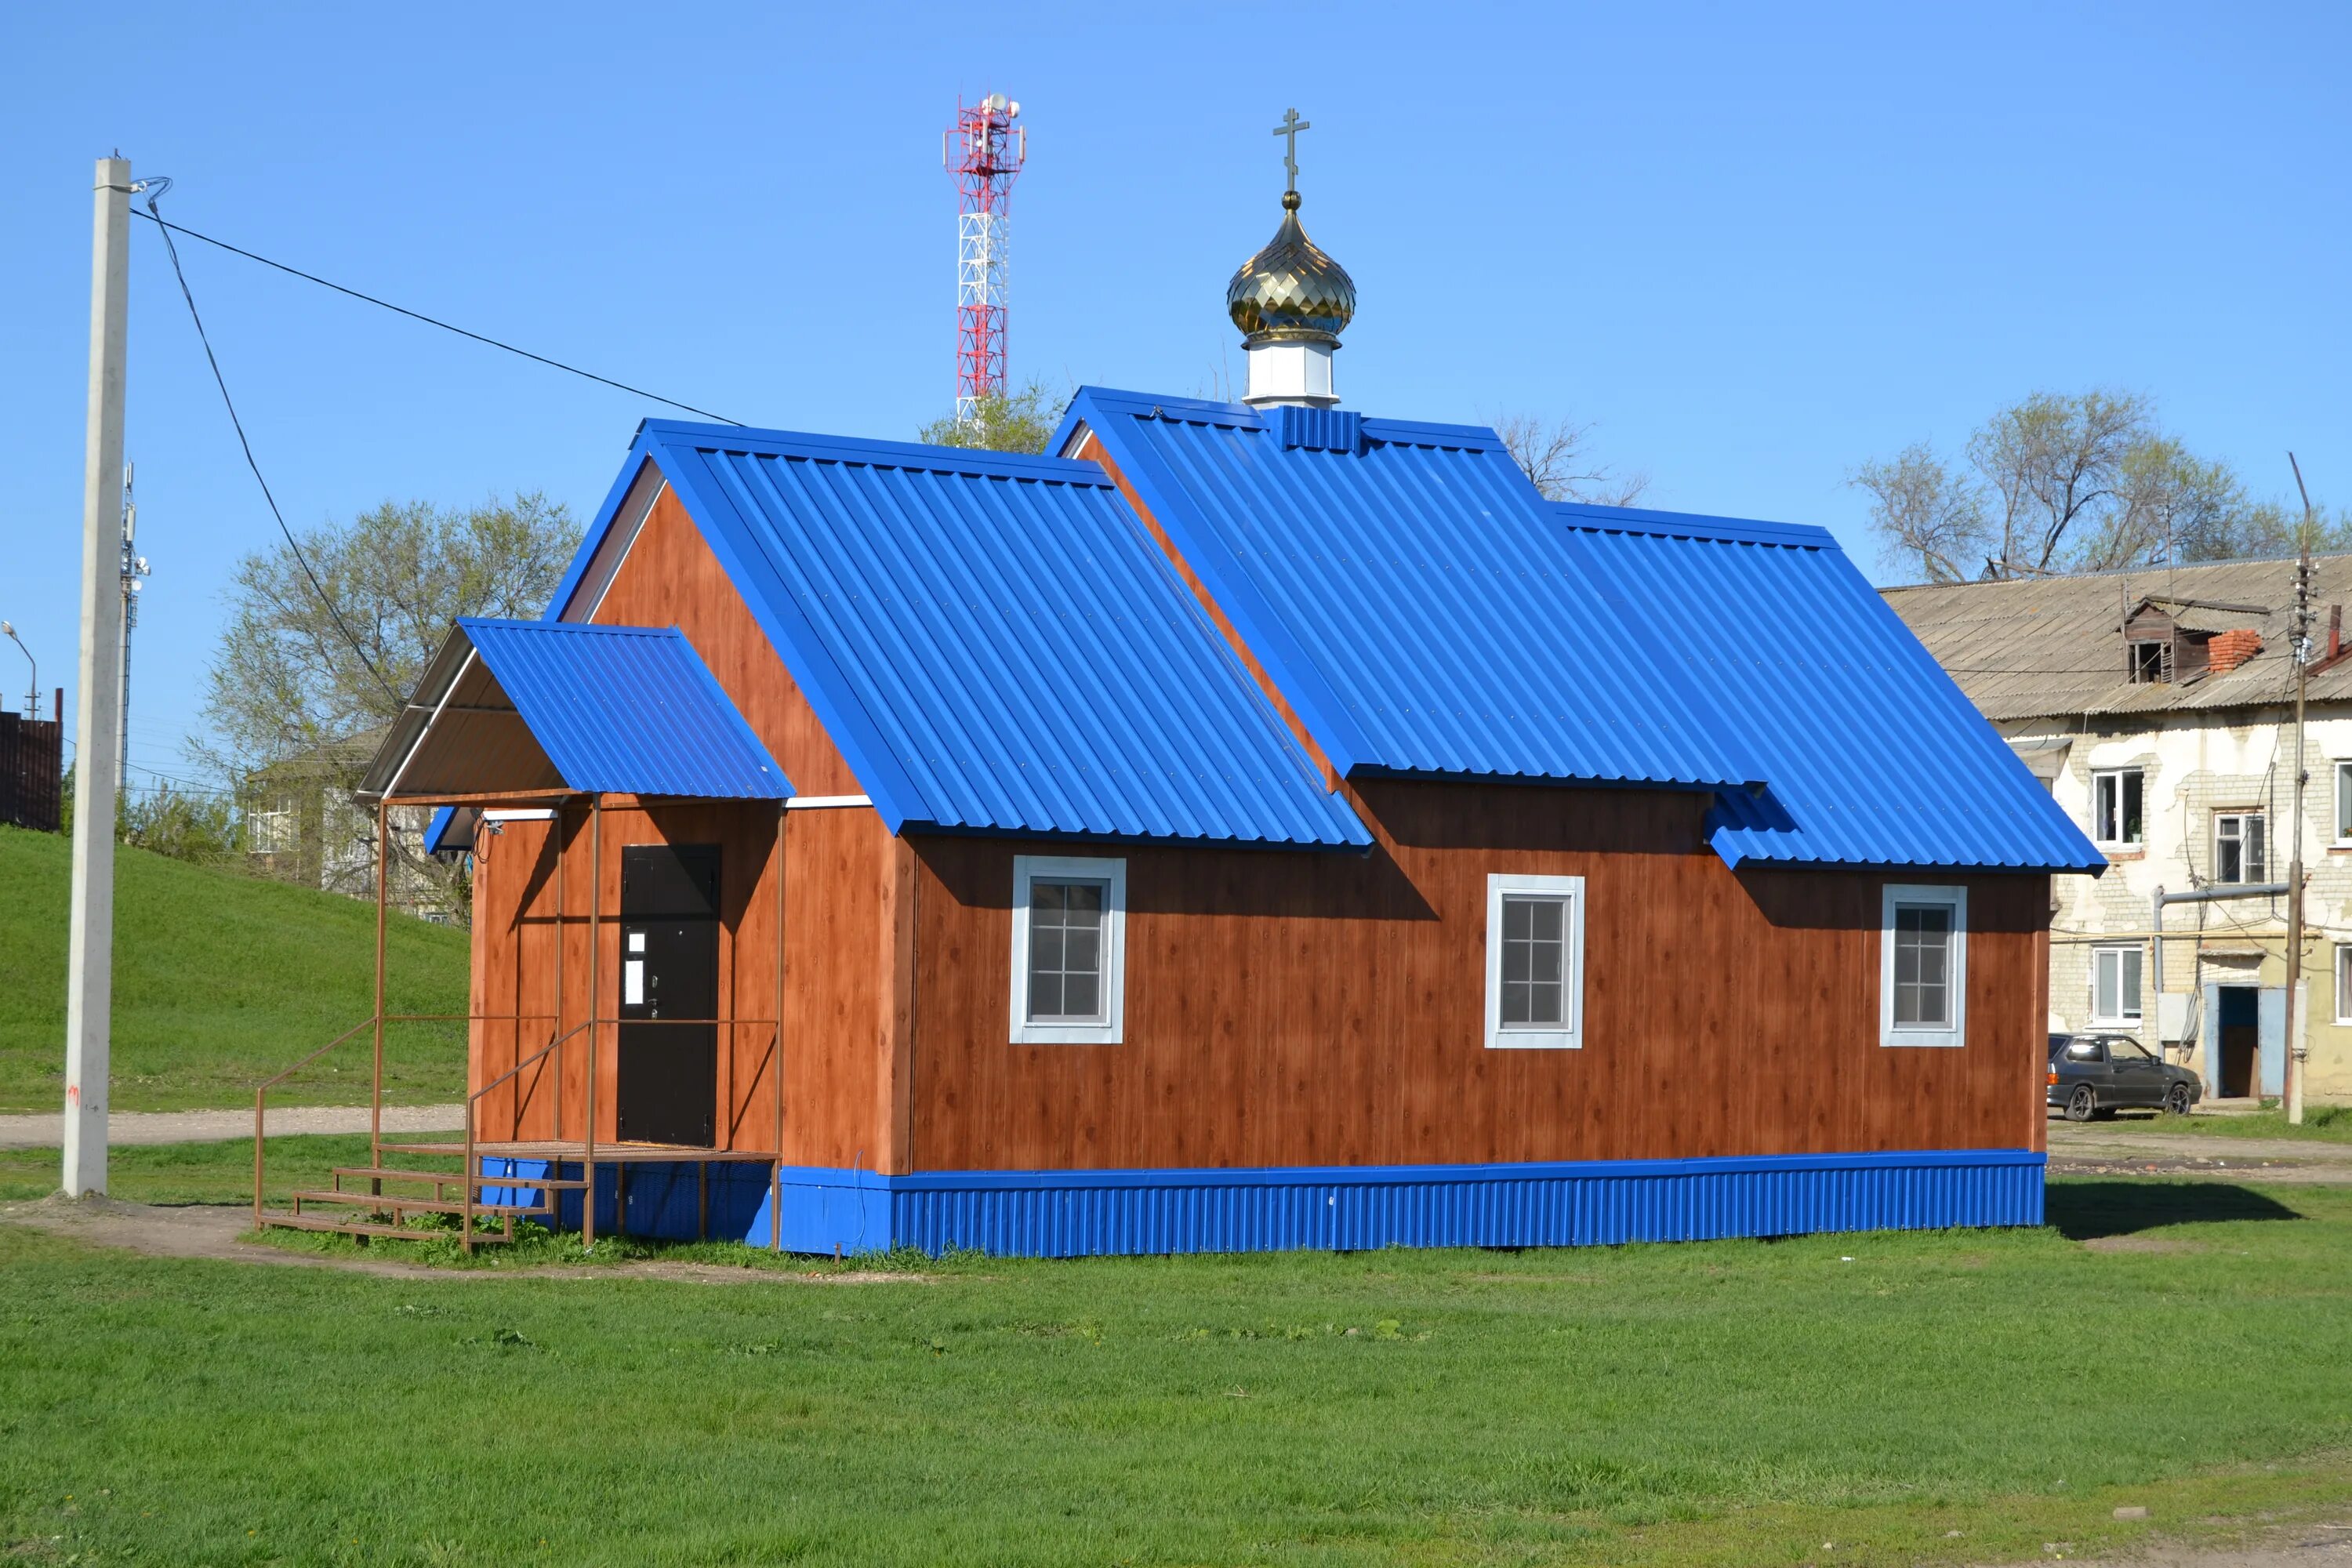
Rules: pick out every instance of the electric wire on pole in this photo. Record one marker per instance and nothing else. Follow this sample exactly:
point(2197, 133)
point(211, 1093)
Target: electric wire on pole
point(2297, 1020)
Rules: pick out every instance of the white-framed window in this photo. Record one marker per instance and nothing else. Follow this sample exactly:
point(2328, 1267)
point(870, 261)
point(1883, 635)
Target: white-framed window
point(1922, 965)
point(1070, 951)
point(2238, 855)
point(2344, 981)
point(2116, 984)
point(2116, 816)
point(1535, 963)
point(2151, 663)
point(2343, 802)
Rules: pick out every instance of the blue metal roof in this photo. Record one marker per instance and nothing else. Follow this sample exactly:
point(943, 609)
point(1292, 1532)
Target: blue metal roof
point(626, 710)
point(993, 641)
point(1872, 756)
point(1405, 590)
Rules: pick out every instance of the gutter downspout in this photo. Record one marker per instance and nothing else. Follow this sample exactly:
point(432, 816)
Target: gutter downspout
point(2200, 895)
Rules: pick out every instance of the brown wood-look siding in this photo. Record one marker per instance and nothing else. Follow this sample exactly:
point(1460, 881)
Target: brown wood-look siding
point(672, 579)
point(838, 952)
point(1300, 1008)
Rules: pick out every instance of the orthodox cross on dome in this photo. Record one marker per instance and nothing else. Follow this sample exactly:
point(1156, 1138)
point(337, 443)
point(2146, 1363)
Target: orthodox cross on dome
point(1288, 129)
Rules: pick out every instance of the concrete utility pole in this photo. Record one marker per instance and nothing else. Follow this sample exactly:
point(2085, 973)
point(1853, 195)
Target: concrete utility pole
point(90, 965)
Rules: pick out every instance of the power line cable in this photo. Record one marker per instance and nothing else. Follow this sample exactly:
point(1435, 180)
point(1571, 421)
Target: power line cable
point(432, 321)
point(154, 189)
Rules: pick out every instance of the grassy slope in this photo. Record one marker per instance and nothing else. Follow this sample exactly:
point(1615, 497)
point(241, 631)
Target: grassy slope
point(1737, 1402)
point(219, 980)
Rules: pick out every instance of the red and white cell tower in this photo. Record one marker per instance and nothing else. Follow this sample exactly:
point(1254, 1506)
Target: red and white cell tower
point(983, 151)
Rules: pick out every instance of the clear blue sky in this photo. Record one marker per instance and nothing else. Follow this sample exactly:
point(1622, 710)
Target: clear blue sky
point(1752, 244)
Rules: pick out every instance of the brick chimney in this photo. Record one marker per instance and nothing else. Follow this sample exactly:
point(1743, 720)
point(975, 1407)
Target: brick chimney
point(2227, 650)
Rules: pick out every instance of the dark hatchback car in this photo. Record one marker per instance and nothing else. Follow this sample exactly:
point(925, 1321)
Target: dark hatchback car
point(2098, 1075)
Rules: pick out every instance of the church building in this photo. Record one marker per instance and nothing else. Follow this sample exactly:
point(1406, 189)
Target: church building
point(1247, 826)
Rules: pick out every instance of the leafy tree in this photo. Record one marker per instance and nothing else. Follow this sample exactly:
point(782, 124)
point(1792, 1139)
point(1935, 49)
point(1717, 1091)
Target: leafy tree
point(186, 824)
point(2056, 484)
point(1555, 454)
point(306, 677)
point(1019, 421)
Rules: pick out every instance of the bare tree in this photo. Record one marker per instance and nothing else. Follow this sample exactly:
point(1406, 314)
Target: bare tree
point(2057, 484)
point(2050, 461)
point(1555, 454)
point(2171, 506)
point(1926, 512)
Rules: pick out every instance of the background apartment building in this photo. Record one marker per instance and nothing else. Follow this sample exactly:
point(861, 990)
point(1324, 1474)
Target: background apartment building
point(2158, 704)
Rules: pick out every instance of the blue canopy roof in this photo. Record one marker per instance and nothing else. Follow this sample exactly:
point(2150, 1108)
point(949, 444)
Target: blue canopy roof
point(1872, 754)
point(533, 707)
point(993, 641)
point(1407, 594)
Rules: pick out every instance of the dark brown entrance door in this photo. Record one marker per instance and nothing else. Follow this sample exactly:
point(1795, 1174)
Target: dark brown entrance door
point(668, 1072)
point(2240, 1028)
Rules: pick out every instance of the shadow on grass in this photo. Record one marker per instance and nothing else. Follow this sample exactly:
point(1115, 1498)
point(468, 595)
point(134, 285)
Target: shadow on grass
point(2085, 1211)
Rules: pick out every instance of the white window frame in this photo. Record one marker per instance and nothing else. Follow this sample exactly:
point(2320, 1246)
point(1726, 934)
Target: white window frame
point(2098, 828)
point(2252, 814)
point(2343, 780)
point(1957, 900)
point(1569, 1035)
point(2117, 950)
point(2343, 991)
point(1111, 1028)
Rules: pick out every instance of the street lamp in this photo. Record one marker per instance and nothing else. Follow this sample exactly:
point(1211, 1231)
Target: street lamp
point(32, 692)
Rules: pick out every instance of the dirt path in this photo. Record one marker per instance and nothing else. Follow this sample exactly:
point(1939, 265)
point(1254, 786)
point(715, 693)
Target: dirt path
point(2139, 1149)
point(2273, 1546)
point(213, 1126)
point(213, 1231)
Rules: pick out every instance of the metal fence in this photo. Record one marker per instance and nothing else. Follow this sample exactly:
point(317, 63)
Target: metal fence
point(32, 771)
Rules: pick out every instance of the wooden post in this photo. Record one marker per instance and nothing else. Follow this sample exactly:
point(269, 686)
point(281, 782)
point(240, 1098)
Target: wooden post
point(776, 1180)
point(561, 1052)
point(595, 912)
point(376, 1090)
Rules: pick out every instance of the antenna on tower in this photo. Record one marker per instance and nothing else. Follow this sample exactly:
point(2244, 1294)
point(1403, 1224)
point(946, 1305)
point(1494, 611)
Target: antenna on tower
point(983, 151)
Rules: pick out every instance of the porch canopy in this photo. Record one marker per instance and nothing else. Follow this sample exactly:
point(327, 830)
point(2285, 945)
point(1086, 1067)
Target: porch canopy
point(529, 710)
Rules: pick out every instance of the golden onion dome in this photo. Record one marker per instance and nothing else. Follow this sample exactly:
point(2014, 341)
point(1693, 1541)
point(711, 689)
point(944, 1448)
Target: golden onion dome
point(1291, 291)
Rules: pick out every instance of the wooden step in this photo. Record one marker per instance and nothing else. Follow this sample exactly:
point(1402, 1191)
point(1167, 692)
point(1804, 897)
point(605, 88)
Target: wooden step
point(394, 1204)
point(451, 1178)
point(344, 1226)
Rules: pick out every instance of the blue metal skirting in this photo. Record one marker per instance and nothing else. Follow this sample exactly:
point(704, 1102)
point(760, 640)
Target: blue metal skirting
point(1067, 1214)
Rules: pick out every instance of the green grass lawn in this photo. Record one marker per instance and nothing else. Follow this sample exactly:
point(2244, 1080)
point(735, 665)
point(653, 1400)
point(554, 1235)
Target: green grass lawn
point(219, 1172)
point(219, 981)
point(2325, 1123)
point(1733, 1402)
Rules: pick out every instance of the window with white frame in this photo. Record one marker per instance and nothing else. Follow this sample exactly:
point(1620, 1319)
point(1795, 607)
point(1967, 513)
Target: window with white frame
point(2116, 819)
point(2343, 802)
point(1535, 963)
point(2238, 854)
point(1070, 951)
point(2344, 981)
point(1923, 966)
point(2114, 984)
